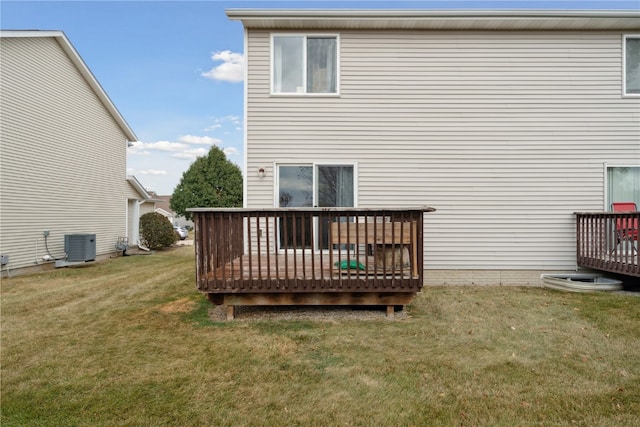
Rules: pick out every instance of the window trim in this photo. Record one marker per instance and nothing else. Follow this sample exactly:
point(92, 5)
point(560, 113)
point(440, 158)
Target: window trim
point(304, 65)
point(624, 66)
point(314, 165)
point(606, 167)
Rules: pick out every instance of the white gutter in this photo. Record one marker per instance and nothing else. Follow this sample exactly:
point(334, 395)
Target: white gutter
point(424, 19)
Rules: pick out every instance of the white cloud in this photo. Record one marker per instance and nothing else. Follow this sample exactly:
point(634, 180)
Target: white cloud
point(152, 172)
point(136, 148)
point(191, 154)
point(165, 146)
point(233, 119)
point(139, 147)
point(229, 151)
point(231, 69)
point(135, 152)
point(199, 140)
point(219, 122)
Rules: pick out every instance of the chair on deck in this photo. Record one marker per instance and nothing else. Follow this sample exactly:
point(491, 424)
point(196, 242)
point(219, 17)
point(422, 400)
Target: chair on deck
point(626, 228)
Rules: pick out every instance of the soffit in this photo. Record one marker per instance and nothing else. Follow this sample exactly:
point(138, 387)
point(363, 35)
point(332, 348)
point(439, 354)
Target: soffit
point(335, 19)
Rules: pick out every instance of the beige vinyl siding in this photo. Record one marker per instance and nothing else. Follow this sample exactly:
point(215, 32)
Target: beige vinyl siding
point(505, 133)
point(63, 155)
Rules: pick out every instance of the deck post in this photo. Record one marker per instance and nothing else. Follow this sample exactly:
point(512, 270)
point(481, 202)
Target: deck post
point(230, 312)
point(390, 311)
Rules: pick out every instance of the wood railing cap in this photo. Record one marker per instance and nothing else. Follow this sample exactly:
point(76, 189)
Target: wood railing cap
point(382, 209)
point(609, 213)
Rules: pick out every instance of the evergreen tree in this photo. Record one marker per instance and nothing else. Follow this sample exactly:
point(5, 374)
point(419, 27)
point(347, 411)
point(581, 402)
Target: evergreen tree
point(211, 181)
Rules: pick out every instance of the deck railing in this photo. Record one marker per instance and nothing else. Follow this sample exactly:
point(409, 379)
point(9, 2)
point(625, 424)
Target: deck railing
point(308, 250)
point(608, 241)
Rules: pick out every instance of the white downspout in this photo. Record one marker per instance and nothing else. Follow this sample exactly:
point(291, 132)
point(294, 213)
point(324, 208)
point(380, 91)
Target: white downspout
point(135, 232)
point(136, 224)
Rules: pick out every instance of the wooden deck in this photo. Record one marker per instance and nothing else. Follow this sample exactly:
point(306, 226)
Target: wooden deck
point(312, 268)
point(320, 256)
point(601, 243)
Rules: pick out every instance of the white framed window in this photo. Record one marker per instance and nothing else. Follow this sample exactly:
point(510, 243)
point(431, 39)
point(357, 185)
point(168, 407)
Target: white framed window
point(313, 184)
point(325, 185)
point(622, 184)
point(304, 64)
point(631, 65)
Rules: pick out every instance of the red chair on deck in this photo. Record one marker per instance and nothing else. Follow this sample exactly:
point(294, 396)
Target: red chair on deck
point(626, 228)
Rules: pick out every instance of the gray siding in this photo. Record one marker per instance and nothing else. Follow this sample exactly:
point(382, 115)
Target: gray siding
point(505, 133)
point(63, 155)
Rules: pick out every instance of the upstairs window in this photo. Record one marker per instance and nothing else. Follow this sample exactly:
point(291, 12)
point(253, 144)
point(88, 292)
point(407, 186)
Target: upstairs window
point(631, 81)
point(305, 65)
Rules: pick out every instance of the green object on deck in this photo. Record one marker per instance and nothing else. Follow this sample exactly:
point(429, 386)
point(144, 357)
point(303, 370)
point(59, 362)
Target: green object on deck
point(346, 265)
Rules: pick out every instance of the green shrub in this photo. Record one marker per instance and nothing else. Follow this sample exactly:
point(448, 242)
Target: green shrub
point(156, 231)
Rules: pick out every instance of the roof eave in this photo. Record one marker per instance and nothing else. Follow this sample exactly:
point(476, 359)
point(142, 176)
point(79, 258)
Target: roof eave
point(354, 19)
point(140, 188)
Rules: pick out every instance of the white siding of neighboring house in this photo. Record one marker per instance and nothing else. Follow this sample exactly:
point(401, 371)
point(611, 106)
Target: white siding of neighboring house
point(63, 155)
point(136, 207)
point(147, 208)
point(505, 133)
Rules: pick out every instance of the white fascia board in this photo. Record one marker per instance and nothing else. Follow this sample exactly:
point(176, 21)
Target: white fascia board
point(436, 19)
point(140, 188)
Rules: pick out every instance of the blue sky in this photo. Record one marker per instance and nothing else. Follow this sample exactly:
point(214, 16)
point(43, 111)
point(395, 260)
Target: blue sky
point(174, 68)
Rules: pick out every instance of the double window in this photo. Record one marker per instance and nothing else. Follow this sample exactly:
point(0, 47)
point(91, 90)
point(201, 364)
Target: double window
point(631, 71)
point(306, 185)
point(304, 64)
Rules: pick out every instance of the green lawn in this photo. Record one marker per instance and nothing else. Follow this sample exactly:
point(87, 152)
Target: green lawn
point(128, 342)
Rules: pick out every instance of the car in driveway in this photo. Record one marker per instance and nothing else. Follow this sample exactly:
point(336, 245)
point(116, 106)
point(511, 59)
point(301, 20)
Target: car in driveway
point(181, 232)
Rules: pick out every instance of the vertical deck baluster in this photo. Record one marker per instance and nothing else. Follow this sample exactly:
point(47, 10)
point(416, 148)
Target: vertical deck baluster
point(601, 258)
point(375, 249)
point(367, 243)
point(384, 241)
point(294, 246)
point(249, 250)
point(259, 251)
point(285, 219)
point(213, 248)
point(276, 247)
point(222, 248)
point(206, 251)
point(595, 237)
point(356, 248)
point(239, 227)
point(265, 232)
point(337, 263)
point(312, 247)
point(219, 262)
point(403, 245)
point(419, 242)
point(229, 258)
point(394, 248)
point(348, 246)
point(578, 238)
point(303, 246)
point(321, 225)
point(591, 228)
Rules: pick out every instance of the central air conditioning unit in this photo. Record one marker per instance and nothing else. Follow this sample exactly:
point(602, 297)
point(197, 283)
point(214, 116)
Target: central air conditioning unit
point(80, 247)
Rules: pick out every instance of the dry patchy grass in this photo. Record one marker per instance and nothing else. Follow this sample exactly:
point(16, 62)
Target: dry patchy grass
point(129, 342)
